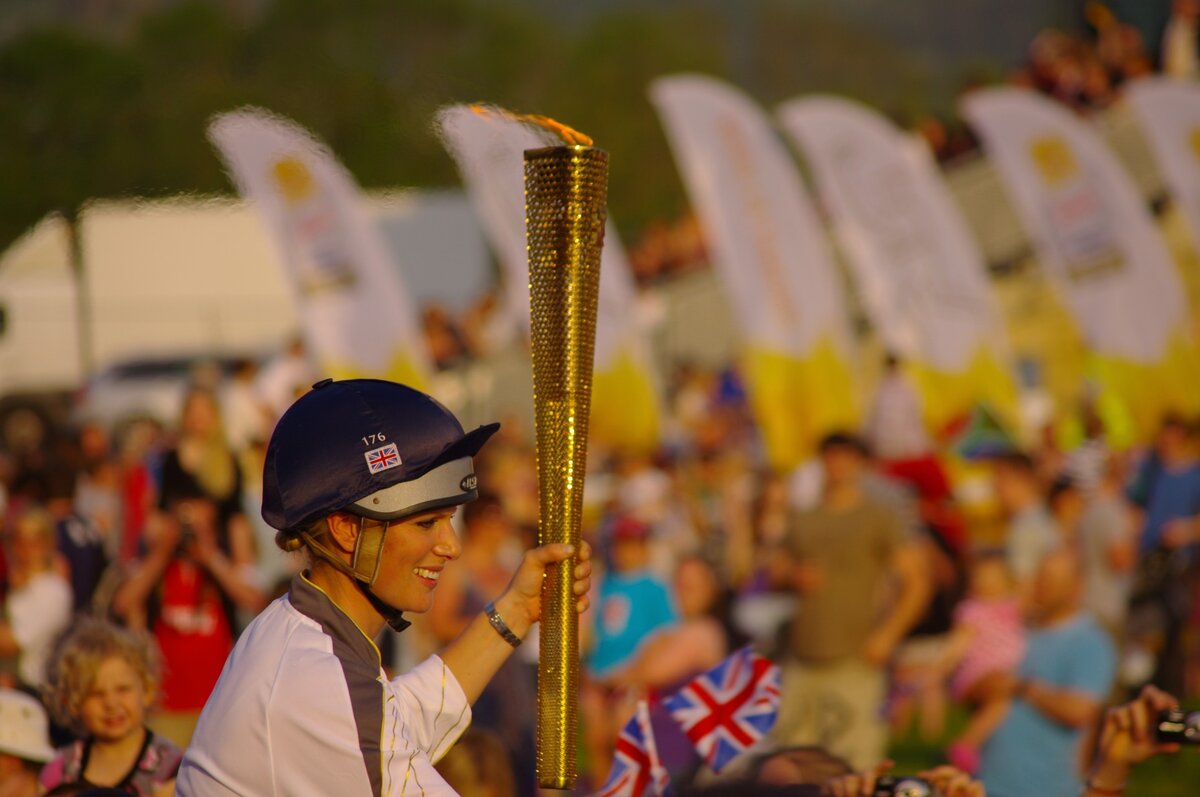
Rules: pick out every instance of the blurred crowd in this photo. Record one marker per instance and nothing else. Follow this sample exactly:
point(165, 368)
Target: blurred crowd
point(885, 596)
point(664, 251)
point(1085, 71)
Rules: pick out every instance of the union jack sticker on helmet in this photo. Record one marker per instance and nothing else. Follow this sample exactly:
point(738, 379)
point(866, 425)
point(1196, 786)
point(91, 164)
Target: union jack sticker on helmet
point(383, 458)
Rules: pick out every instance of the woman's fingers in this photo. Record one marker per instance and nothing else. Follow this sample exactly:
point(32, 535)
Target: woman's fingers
point(551, 553)
point(557, 551)
point(583, 575)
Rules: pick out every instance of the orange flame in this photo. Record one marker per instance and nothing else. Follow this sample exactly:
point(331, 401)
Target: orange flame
point(567, 134)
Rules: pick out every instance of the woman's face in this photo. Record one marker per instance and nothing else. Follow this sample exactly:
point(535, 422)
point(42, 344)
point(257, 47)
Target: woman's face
point(32, 546)
point(695, 588)
point(116, 704)
point(199, 415)
point(415, 551)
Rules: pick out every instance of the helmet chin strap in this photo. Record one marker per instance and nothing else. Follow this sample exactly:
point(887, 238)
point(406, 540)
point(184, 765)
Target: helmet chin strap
point(393, 616)
point(363, 567)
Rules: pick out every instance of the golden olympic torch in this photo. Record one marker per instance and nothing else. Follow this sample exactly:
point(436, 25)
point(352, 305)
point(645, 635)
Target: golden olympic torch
point(566, 191)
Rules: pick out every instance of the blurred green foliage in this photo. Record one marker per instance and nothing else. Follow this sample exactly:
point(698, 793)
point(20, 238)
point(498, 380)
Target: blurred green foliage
point(84, 115)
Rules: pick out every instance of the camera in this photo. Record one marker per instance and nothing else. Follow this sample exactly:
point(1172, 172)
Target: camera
point(1178, 726)
point(904, 786)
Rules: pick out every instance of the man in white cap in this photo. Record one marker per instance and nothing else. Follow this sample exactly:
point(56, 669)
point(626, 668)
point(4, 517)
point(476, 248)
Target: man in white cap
point(24, 743)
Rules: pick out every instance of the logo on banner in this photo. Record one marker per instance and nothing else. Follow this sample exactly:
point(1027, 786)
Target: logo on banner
point(1053, 158)
point(1079, 217)
point(324, 262)
point(1194, 141)
point(383, 458)
point(293, 178)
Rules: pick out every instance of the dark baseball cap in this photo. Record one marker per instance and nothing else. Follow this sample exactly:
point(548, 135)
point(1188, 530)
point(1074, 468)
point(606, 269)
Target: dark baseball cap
point(375, 448)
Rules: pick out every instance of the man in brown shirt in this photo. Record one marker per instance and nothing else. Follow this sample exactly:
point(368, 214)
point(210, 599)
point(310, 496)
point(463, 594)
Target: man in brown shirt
point(861, 583)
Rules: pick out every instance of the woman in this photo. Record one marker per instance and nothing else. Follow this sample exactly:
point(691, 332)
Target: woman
point(365, 476)
point(199, 568)
point(38, 606)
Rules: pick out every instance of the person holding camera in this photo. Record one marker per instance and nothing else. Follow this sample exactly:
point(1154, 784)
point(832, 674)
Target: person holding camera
point(198, 568)
point(1130, 735)
point(943, 781)
point(1057, 693)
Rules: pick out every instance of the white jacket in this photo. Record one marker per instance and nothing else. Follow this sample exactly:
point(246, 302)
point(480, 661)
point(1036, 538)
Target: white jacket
point(303, 707)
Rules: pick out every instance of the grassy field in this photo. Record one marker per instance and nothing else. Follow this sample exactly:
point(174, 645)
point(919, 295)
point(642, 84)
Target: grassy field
point(1177, 776)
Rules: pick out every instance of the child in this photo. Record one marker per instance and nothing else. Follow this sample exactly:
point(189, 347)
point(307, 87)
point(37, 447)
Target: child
point(101, 684)
point(986, 646)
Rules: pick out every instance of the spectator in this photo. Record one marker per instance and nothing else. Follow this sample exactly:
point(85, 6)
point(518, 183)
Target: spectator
point(703, 637)
point(80, 542)
point(200, 565)
point(1179, 59)
point(632, 604)
point(985, 648)
point(101, 684)
point(1066, 504)
point(39, 598)
point(488, 326)
point(478, 766)
point(1106, 544)
point(1127, 738)
point(97, 497)
point(1167, 488)
point(24, 743)
point(1085, 464)
point(285, 377)
point(803, 764)
point(1031, 531)
point(444, 341)
point(895, 427)
point(138, 498)
point(249, 420)
point(845, 552)
point(1056, 696)
point(948, 781)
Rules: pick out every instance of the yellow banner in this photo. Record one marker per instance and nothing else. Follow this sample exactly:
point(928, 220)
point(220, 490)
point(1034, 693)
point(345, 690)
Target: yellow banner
point(797, 401)
point(625, 405)
point(947, 396)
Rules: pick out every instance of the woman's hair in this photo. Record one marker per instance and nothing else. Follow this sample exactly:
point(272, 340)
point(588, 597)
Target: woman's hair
point(77, 658)
point(721, 608)
point(41, 524)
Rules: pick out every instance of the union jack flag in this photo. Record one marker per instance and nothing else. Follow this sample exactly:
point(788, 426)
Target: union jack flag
point(382, 458)
point(727, 709)
point(636, 765)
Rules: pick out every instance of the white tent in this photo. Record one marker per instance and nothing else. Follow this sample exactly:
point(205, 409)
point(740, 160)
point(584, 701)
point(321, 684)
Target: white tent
point(190, 276)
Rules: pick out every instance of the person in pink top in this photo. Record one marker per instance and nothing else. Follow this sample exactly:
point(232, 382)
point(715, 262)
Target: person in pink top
point(985, 647)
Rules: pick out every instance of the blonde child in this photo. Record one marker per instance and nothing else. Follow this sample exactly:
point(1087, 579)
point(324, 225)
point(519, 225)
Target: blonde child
point(100, 685)
point(985, 648)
